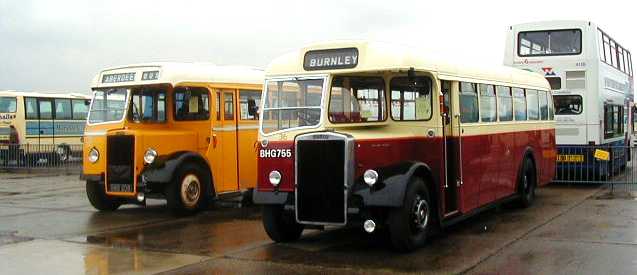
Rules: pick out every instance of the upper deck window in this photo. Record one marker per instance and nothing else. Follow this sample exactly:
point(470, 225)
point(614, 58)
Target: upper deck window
point(550, 42)
point(355, 99)
point(8, 104)
point(411, 100)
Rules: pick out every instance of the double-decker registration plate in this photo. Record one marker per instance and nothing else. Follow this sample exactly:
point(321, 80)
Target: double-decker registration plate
point(570, 158)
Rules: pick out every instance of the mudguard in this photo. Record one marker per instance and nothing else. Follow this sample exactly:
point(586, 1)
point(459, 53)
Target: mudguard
point(269, 197)
point(390, 189)
point(165, 167)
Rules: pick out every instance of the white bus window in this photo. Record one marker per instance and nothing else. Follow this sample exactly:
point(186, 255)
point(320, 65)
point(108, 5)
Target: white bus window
point(550, 42)
point(505, 104)
point(600, 45)
point(613, 121)
point(45, 109)
point(488, 106)
point(568, 104)
point(411, 100)
point(8, 104)
point(80, 109)
point(544, 105)
point(613, 53)
point(249, 102)
point(192, 103)
point(551, 107)
point(31, 106)
point(357, 99)
point(519, 104)
point(532, 105)
point(63, 109)
point(468, 102)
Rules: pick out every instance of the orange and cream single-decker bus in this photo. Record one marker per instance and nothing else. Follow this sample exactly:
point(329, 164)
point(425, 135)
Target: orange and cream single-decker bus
point(390, 137)
point(185, 132)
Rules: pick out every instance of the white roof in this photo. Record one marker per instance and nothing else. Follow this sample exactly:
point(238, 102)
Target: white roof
point(179, 72)
point(44, 94)
point(379, 56)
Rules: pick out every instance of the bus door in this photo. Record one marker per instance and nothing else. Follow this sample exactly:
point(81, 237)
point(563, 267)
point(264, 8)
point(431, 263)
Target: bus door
point(46, 124)
point(225, 142)
point(452, 153)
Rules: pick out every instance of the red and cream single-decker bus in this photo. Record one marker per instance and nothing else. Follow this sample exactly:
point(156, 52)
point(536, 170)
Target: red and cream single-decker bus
point(386, 136)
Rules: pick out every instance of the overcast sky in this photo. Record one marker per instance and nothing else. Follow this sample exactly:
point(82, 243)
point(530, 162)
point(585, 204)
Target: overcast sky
point(60, 45)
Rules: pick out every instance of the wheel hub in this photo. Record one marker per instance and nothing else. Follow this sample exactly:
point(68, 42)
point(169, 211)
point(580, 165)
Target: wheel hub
point(190, 190)
point(421, 212)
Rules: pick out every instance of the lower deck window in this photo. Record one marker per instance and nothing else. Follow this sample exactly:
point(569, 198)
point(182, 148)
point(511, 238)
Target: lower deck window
point(568, 104)
point(613, 121)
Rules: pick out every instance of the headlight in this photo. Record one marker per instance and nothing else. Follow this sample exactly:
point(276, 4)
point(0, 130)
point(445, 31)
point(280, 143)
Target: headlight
point(150, 155)
point(275, 178)
point(370, 177)
point(93, 155)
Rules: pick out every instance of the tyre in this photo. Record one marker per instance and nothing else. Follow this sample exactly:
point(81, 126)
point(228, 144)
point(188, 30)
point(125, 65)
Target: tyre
point(281, 225)
point(188, 192)
point(411, 224)
point(527, 183)
point(98, 198)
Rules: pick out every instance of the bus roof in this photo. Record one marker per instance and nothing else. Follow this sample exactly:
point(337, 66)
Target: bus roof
point(379, 56)
point(553, 24)
point(45, 95)
point(176, 72)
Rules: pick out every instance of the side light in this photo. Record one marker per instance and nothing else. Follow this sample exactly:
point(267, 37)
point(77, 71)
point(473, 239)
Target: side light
point(93, 155)
point(150, 156)
point(275, 177)
point(370, 177)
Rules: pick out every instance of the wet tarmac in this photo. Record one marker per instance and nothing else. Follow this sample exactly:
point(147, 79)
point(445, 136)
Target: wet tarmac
point(48, 227)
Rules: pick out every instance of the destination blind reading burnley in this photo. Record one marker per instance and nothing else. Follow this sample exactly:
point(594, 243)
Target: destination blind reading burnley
point(330, 59)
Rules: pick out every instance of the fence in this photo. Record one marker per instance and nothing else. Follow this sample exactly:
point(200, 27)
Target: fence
point(615, 166)
point(59, 157)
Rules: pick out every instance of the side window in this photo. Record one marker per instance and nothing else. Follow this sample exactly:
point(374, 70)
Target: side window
point(45, 109)
point(544, 105)
point(411, 100)
point(505, 104)
point(468, 102)
point(249, 102)
point(218, 105)
point(551, 107)
point(519, 104)
point(31, 106)
point(192, 103)
point(148, 104)
point(532, 104)
point(228, 106)
point(80, 108)
point(488, 111)
point(63, 109)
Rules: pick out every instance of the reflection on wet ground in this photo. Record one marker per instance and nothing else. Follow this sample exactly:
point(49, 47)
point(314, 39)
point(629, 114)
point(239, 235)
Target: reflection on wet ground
point(47, 226)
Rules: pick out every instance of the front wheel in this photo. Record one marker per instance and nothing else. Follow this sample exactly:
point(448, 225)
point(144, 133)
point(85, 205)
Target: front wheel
point(281, 225)
point(527, 184)
point(98, 198)
point(188, 191)
point(411, 224)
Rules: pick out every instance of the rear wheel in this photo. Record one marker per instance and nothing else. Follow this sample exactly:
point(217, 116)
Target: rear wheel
point(281, 225)
point(411, 224)
point(527, 183)
point(99, 199)
point(188, 191)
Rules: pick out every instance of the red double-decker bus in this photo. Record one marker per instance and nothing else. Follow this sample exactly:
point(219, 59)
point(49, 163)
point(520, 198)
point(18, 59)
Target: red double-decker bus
point(385, 136)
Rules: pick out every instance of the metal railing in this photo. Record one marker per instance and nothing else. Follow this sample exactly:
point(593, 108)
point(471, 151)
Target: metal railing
point(64, 157)
point(615, 166)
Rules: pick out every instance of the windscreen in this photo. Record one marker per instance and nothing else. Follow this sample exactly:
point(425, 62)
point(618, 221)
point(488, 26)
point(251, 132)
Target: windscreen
point(291, 104)
point(557, 42)
point(7, 104)
point(109, 105)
